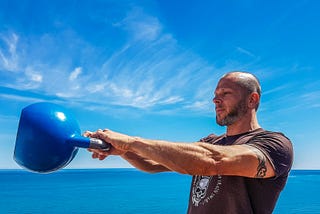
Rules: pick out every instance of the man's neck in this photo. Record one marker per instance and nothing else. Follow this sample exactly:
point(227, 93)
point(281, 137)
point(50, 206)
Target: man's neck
point(243, 125)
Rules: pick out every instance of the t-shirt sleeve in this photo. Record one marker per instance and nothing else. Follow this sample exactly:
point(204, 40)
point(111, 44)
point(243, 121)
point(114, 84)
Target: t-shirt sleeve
point(209, 139)
point(277, 148)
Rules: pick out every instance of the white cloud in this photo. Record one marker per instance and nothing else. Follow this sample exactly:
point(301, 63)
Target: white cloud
point(75, 73)
point(148, 70)
point(199, 105)
point(246, 52)
point(140, 25)
point(275, 89)
point(8, 54)
point(34, 76)
point(172, 100)
point(160, 78)
point(310, 99)
point(93, 88)
point(28, 80)
point(20, 98)
point(3, 59)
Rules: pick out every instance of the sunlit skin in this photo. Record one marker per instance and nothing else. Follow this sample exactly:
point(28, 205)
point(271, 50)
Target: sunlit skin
point(228, 97)
point(235, 108)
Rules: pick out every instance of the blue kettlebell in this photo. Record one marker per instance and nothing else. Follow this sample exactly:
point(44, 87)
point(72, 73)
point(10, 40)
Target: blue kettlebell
point(48, 138)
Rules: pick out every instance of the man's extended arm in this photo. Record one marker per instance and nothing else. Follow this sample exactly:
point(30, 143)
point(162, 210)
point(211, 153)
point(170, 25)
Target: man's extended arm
point(143, 163)
point(194, 158)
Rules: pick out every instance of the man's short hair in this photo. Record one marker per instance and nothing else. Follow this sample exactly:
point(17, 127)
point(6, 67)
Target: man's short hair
point(247, 81)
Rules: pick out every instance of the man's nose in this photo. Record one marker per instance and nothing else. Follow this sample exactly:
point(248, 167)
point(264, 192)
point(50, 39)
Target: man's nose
point(216, 100)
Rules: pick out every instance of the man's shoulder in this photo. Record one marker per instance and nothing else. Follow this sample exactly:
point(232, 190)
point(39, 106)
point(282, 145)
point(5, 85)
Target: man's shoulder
point(262, 133)
point(211, 138)
point(249, 136)
point(269, 140)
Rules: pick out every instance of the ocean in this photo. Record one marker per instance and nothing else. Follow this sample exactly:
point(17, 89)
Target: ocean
point(119, 191)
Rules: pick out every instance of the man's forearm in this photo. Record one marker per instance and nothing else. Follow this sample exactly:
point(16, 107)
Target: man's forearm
point(143, 163)
point(186, 158)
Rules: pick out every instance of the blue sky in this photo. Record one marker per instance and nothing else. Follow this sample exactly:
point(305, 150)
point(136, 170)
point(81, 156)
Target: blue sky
point(149, 68)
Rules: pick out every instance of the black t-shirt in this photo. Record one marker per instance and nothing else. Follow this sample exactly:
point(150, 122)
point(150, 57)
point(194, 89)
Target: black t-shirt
point(236, 194)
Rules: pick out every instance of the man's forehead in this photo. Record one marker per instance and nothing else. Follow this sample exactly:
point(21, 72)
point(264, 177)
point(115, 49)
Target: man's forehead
point(227, 83)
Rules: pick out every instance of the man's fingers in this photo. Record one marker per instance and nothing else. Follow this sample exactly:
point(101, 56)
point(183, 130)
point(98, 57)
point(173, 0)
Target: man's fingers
point(90, 134)
point(98, 151)
point(101, 157)
point(95, 155)
point(87, 134)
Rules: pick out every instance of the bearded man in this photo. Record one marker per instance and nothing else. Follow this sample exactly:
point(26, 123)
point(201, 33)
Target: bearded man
point(241, 171)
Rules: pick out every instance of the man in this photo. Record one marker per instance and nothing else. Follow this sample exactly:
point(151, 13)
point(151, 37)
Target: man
point(242, 171)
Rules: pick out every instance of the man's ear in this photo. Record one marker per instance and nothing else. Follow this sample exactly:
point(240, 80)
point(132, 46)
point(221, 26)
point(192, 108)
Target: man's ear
point(253, 100)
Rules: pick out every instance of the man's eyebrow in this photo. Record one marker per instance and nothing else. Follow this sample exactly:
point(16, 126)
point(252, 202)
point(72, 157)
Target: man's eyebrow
point(222, 89)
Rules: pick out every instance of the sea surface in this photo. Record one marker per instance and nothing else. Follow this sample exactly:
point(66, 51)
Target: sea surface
point(117, 191)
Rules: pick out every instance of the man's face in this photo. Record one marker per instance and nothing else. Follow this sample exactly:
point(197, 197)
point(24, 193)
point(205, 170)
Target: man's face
point(230, 102)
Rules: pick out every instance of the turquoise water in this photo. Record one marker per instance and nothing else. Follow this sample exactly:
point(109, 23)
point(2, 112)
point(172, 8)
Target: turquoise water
point(301, 194)
point(118, 191)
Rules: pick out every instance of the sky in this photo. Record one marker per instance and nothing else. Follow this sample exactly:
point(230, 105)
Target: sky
point(149, 68)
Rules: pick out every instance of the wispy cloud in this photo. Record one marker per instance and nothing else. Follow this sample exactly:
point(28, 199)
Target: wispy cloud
point(8, 54)
point(20, 98)
point(148, 70)
point(140, 25)
point(244, 51)
point(311, 99)
point(7, 119)
point(276, 89)
point(75, 73)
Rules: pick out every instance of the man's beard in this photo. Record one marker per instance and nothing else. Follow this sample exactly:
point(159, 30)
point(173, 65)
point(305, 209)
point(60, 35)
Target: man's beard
point(236, 112)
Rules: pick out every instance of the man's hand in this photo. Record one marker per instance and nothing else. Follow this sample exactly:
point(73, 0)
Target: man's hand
point(119, 143)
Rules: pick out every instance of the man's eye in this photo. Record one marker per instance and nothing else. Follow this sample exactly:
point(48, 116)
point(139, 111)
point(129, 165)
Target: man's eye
point(224, 93)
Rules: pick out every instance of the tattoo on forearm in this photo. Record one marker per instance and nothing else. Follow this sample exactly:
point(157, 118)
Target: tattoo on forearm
point(261, 169)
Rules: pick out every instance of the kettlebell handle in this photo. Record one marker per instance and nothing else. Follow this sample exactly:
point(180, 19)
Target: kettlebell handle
point(92, 143)
point(96, 143)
